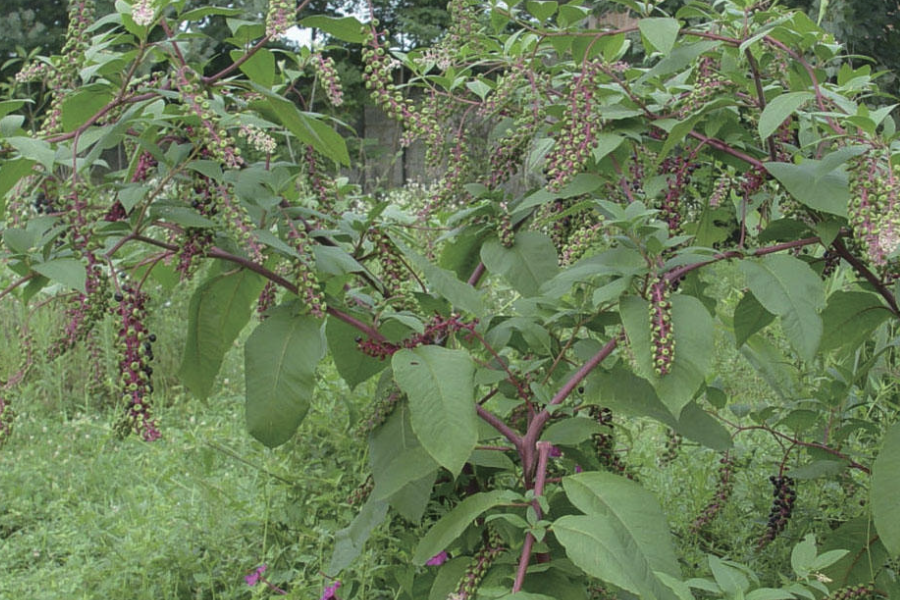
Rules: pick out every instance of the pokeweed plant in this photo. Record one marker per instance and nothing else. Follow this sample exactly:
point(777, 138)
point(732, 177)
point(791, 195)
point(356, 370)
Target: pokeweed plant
point(726, 131)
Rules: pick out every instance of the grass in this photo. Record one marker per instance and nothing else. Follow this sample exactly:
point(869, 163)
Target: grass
point(84, 514)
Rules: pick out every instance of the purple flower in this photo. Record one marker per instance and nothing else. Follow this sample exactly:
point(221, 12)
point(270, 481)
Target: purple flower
point(438, 559)
point(253, 578)
point(578, 469)
point(330, 591)
point(555, 452)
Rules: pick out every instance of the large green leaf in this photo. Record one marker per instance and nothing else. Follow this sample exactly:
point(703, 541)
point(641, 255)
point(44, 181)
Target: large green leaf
point(349, 542)
point(788, 287)
point(307, 128)
point(280, 359)
point(850, 318)
point(632, 507)
point(694, 343)
point(696, 424)
point(347, 29)
point(352, 365)
point(866, 549)
point(10, 174)
point(451, 525)
point(749, 317)
point(526, 265)
point(885, 491)
point(394, 439)
point(602, 548)
point(80, 106)
point(219, 310)
point(68, 271)
point(440, 386)
point(445, 282)
point(779, 109)
point(259, 68)
point(820, 189)
point(660, 32)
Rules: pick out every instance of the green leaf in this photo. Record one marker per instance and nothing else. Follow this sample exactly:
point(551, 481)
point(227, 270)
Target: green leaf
point(631, 506)
point(352, 365)
point(452, 524)
point(660, 32)
point(444, 282)
point(346, 29)
point(730, 580)
point(886, 489)
point(80, 106)
point(698, 425)
point(448, 577)
point(219, 310)
point(850, 318)
point(259, 68)
point(526, 265)
point(395, 437)
point(788, 287)
point(440, 386)
point(602, 548)
point(308, 129)
point(67, 271)
point(866, 549)
point(280, 359)
point(406, 467)
point(779, 109)
point(828, 192)
point(749, 317)
point(11, 173)
point(541, 10)
point(37, 150)
point(572, 431)
point(694, 342)
point(349, 542)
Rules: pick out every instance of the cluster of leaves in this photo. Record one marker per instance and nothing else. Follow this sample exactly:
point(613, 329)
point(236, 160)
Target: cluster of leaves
point(525, 309)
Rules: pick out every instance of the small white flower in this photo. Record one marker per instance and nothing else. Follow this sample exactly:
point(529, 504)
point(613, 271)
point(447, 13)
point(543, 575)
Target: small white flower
point(143, 12)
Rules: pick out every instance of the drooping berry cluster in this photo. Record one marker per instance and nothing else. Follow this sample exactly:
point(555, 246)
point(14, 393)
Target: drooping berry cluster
point(280, 17)
point(724, 488)
point(305, 275)
point(214, 138)
point(379, 78)
point(680, 170)
point(605, 443)
point(577, 135)
point(450, 192)
point(479, 565)
point(65, 72)
point(673, 445)
point(434, 333)
point(509, 150)
point(662, 337)
point(852, 592)
point(721, 190)
point(387, 396)
point(393, 272)
point(705, 85)
point(874, 208)
point(328, 79)
point(135, 349)
point(361, 493)
point(237, 221)
point(83, 311)
point(785, 496)
point(7, 416)
point(33, 72)
point(580, 242)
point(504, 227)
point(322, 186)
